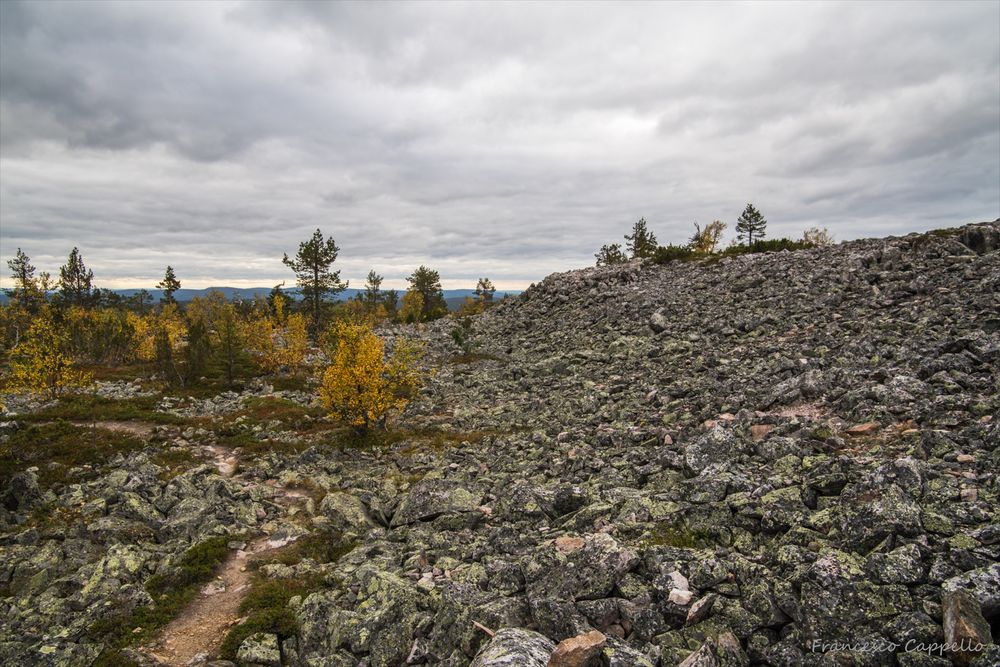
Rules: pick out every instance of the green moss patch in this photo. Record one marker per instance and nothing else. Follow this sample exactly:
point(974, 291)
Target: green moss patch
point(90, 408)
point(266, 610)
point(320, 546)
point(59, 450)
point(679, 537)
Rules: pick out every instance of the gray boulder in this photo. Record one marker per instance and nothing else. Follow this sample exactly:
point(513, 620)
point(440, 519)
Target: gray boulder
point(515, 647)
point(430, 499)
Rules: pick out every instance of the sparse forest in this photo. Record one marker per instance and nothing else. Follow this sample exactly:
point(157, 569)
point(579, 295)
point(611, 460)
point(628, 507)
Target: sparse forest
point(750, 228)
point(60, 336)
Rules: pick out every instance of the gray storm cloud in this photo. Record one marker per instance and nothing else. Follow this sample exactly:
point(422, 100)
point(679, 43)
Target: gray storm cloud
point(504, 139)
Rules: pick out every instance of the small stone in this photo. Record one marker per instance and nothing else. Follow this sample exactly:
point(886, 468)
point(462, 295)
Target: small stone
point(680, 581)
point(658, 322)
point(580, 651)
point(680, 597)
point(700, 610)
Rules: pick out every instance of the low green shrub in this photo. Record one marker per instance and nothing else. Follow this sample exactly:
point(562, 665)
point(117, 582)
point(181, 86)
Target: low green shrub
point(60, 449)
point(266, 610)
point(672, 253)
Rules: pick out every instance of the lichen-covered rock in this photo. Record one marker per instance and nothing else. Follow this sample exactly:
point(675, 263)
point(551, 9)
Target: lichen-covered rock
point(984, 585)
point(718, 446)
point(837, 600)
point(587, 573)
point(22, 493)
point(617, 653)
point(259, 650)
point(345, 512)
point(432, 498)
point(869, 514)
point(515, 647)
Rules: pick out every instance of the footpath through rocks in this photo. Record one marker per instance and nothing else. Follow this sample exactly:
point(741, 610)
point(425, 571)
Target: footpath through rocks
point(198, 631)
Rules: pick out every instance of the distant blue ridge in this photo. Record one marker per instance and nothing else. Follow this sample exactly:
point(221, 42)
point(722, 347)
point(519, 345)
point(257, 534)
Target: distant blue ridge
point(453, 297)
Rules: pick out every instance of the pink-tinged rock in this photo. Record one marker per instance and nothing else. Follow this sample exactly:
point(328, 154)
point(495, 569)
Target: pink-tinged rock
point(679, 581)
point(580, 651)
point(964, 626)
point(700, 610)
point(568, 545)
point(680, 597)
point(863, 429)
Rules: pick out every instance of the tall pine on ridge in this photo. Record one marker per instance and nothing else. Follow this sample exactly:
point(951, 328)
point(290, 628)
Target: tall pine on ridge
point(312, 266)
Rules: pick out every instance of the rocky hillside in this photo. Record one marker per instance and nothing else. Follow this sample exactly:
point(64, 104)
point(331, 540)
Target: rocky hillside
point(776, 459)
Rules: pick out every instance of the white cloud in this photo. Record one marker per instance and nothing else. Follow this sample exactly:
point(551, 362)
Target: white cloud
point(507, 140)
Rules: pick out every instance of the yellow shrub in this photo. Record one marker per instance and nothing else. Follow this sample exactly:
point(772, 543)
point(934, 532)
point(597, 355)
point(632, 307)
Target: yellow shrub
point(413, 306)
point(168, 320)
point(277, 340)
point(41, 362)
point(360, 386)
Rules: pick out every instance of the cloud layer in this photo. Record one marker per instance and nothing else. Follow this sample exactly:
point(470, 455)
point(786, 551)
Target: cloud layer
point(507, 140)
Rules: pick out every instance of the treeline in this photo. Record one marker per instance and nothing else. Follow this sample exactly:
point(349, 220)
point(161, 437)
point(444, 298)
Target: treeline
point(56, 333)
point(750, 227)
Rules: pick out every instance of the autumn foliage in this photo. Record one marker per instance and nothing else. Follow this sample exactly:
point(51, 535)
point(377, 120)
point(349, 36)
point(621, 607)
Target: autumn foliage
point(277, 340)
point(361, 386)
point(42, 362)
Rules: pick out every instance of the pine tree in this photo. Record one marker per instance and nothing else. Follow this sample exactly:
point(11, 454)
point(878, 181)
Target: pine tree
point(314, 276)
point(276, 293)
point(372, 295)
point(169, 285)
point(427, 283)
point(641, 242)
point(26, 293)
point(22, 272)
point(197, 352)
point(139, 300)
point(76, 280)
point(751, 224)
point(391, 302)
point(485, 290)
point(610, 254)
point(231, 342)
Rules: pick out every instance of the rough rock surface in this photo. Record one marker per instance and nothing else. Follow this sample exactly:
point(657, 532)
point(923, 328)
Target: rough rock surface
point(776, 459)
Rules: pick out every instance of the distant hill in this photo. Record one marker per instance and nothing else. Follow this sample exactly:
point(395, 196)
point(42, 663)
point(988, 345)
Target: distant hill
point(453, 297)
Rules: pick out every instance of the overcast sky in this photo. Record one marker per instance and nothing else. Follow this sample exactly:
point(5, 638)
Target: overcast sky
point(505, 140)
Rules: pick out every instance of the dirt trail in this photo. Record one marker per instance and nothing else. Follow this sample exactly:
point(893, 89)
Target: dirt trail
point(199, 630)
point(140, 429)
